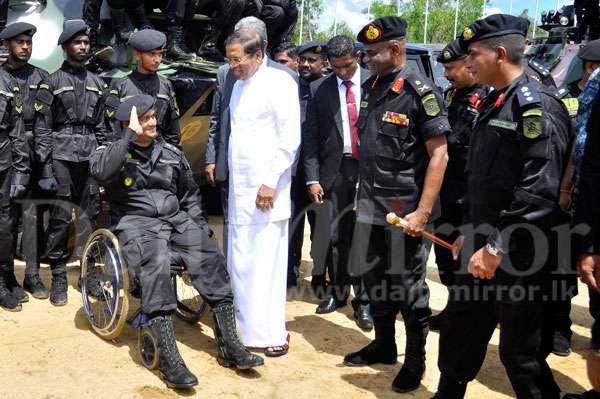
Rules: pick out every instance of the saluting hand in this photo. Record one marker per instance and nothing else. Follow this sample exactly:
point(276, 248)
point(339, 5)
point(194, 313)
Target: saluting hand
point(483, 264)
point(134, 122)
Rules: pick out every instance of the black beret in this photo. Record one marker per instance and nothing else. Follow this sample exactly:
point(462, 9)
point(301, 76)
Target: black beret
point(17, 28)
point(493, 26)
point(71, 28)
point(382, 29)
point(316, 46)
point(591, 51)
point(141, 102)
point(147, 40)
point(452, 52)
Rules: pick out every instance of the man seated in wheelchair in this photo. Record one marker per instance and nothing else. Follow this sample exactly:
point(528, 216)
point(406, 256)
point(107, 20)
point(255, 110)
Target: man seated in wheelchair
point(155, 200)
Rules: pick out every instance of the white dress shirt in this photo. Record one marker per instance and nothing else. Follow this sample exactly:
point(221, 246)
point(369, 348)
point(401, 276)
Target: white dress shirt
point(344, 108)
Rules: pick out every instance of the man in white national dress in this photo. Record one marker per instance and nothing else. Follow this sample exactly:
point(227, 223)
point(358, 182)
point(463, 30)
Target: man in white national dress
point(265, 136)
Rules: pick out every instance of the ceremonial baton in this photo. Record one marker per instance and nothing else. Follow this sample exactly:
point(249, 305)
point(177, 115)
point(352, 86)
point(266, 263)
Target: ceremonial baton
point(396, 220)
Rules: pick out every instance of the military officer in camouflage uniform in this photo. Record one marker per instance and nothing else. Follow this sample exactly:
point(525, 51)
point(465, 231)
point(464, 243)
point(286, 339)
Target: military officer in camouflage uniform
point(18, 39)
point(517, 158)
point(463, 100)
point(69, 125)
point(148, 52)
point(402, 128)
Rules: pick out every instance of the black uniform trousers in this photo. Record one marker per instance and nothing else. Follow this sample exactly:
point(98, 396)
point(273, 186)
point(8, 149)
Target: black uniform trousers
point(475, 307)
point(29, 211)
point(393, 267)
point(341, 218)
point(76, 190)
point(3, 13)
point(91, 9)
point(148, 255)
point(446, 228)
point(595, 312)
point(6, 221)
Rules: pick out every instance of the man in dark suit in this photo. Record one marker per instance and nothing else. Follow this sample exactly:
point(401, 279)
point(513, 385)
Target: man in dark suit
point(216, 168)
point(330, 147)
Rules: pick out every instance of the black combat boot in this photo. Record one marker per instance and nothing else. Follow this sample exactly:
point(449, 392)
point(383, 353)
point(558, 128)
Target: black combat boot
point(450, 389)
point(119, 18)
point(14, 287)
point(7, 299)
point(92, 283)
point(172, 367)
point(381, 350)
point(176, 48)
point(209, 47)
point(58, 290)
point(231, 350)
point(139, 18)
point(33, 284)
point(409, 377)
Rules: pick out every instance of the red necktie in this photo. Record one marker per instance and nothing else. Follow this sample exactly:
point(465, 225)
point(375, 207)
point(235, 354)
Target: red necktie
point(352, 117)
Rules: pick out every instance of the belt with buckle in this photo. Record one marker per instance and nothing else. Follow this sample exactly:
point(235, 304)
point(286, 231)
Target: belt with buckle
point(347, 155)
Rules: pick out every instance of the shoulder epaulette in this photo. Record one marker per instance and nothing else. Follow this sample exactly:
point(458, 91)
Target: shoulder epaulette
point(528, 96)
point(539, 68)
point(417, 83)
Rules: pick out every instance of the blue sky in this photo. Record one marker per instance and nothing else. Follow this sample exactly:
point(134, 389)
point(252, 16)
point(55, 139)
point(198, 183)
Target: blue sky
point(349, 10)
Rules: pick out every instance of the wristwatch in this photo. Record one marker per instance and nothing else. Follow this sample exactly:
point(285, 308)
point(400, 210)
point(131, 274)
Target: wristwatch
point(492, 250)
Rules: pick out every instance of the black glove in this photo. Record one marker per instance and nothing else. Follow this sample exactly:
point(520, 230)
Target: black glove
point(48, 183)
point(17, 191)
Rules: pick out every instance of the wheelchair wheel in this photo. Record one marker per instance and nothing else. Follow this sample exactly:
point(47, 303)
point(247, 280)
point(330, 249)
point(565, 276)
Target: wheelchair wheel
point(103, 264)
point(148, 349)
point(190, 305)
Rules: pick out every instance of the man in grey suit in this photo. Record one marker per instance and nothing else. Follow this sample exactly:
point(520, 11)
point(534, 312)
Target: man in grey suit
point(216, 167)
point(330, 155)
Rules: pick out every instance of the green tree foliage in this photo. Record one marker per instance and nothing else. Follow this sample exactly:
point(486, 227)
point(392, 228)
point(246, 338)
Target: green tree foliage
point(312, 11)
point(440, 25)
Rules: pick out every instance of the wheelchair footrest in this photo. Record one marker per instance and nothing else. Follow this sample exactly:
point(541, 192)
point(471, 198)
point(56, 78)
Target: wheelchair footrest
point(138, 320)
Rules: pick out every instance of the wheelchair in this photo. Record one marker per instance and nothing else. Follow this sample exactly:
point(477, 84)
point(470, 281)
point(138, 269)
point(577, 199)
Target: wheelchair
point(108, 315)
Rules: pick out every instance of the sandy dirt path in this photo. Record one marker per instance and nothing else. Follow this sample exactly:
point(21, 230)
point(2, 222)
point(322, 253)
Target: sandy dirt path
point(49, 352)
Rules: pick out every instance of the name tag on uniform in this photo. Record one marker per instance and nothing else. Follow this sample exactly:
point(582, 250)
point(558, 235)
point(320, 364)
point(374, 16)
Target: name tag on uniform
point(508, 125)
point(395, 118)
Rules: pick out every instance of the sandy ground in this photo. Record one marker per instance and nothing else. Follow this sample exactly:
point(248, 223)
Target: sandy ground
point(50, 352)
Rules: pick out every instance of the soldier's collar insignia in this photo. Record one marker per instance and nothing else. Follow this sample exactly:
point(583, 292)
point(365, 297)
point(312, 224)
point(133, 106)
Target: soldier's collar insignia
point(468, 33)
point(38, 107)
point(128, 182)
point(373, 33)
point(398, 83)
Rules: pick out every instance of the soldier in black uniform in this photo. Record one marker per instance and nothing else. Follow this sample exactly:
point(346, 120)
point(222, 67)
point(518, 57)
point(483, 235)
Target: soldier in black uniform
point(179, 14)
point(18, 39)
point(539, 73)
point(312, 66)
point(134, 9)
point(14, 178)
point(69, 124)
point(402, 128)
point(154, 201)
point(462, 99)
point(517, 158)
point(590, 57)
point(147, 45)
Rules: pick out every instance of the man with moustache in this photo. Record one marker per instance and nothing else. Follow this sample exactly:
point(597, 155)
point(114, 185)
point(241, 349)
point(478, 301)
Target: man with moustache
point(462, 99)
point(402, 128)
point(517, 158)
point(18, 40)
point(147, 48)
point(68, 126)
point(287, 54)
